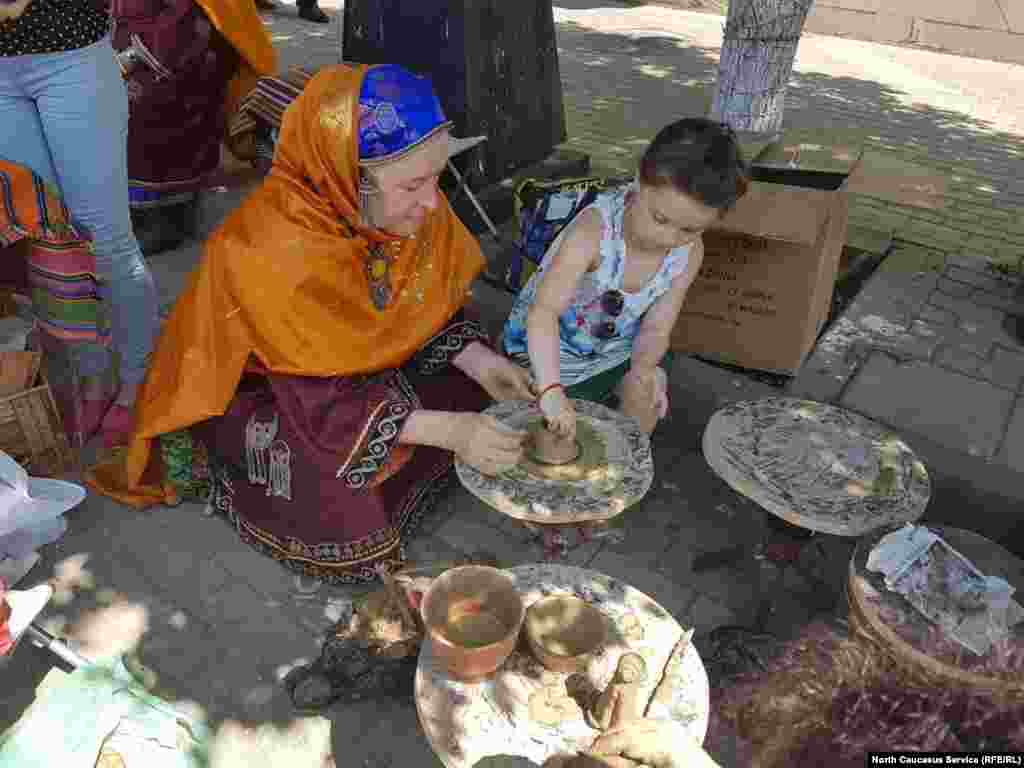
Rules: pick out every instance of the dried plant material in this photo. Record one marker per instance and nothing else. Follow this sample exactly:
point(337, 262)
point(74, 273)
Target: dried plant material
point(828, 699)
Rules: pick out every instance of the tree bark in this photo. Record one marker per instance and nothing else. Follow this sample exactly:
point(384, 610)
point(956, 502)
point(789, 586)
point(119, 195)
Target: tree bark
point(758, 50)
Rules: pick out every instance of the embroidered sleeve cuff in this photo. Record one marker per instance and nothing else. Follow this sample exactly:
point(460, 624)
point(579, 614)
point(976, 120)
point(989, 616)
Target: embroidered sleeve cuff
point(374, 451)
point(446, 346)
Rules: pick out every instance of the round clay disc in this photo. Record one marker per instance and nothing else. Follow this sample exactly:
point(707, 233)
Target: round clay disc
point(613, 471)
point(817, 466)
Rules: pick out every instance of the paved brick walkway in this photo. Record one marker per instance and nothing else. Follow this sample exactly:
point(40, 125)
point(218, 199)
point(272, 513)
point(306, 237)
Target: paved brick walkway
point(968, 128)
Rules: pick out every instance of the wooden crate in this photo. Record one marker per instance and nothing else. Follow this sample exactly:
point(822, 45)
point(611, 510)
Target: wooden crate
point(32, 433)
point(18, 371)
point(493, 63)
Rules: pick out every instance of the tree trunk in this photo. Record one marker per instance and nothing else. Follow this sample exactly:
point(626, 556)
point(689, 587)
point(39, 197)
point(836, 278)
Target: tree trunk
point(758, 49)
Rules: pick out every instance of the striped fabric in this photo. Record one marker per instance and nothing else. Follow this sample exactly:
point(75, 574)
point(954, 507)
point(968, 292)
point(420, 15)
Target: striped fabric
point(267, 102)
point(60, 268)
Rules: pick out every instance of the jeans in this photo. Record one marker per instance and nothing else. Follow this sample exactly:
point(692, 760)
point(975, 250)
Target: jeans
point(65, 116)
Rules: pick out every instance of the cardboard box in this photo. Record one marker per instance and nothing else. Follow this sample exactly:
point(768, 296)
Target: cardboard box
point(765, 288)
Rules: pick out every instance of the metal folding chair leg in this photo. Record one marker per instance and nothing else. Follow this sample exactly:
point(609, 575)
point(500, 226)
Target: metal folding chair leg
point(464, 187)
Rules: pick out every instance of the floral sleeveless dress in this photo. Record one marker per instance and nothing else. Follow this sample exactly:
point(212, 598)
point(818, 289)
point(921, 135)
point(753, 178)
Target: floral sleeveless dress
point(586, 352)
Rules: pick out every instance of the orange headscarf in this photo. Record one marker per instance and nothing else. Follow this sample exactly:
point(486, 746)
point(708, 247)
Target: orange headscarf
point(283, 280)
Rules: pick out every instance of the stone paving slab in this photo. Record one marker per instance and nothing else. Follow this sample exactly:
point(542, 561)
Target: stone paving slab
point(927, 332)
point(1012, 452)
point(931, 400)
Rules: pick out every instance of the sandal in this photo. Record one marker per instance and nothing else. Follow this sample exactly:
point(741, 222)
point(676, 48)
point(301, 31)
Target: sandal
point(374, 651)
point(347, 671)
point(733, 650)
point(314, 14)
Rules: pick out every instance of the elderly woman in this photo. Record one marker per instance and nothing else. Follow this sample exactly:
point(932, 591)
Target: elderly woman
point(187, 65)
point(321, 352)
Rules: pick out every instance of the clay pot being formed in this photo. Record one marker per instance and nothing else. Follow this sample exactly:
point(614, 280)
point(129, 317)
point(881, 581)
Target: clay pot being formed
point(548, 447)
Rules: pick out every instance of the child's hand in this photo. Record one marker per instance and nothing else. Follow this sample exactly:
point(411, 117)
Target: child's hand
point(640, 400)
point(558, 412)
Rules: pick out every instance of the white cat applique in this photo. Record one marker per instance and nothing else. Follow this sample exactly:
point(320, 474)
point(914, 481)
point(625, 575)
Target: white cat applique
point(268, 460)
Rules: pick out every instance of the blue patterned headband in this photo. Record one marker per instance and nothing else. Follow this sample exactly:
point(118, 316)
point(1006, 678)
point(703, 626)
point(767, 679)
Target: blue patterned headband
point(398, 111)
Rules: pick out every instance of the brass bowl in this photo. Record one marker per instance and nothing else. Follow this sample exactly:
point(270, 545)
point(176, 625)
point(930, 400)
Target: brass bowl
point(473, 616)
point(564, 631)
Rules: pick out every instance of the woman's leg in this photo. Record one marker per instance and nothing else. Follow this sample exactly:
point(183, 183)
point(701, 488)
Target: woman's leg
point(22, 140)
point(83, 108)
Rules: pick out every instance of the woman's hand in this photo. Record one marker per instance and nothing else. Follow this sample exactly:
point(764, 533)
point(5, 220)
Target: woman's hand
point(485, 443)
point(655, 743)
point(504, 380)
point(558, 411)
point(500, 377)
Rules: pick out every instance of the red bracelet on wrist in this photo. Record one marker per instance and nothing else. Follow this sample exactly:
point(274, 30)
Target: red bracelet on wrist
point(548, 388)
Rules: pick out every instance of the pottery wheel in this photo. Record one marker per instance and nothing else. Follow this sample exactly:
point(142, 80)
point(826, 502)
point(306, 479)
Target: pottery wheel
point(613, 471)
point(816, 466)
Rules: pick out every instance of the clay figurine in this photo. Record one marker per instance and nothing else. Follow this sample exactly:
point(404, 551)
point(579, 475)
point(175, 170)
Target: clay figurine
point(548, 447)
point(552, 705)
point(621, 701)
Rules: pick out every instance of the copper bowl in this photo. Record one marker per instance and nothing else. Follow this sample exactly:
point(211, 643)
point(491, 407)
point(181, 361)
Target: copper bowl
point(473, 615)
point(564, 631)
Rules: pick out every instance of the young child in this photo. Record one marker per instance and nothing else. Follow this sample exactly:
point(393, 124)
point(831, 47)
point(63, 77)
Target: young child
point(594, 320)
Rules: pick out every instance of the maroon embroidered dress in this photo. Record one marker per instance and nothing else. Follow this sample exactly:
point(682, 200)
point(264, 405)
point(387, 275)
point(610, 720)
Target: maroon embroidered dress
point(309, 470)
point(178, 66)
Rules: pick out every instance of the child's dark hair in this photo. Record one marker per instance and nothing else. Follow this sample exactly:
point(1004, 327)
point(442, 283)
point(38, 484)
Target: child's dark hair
point(700, 158)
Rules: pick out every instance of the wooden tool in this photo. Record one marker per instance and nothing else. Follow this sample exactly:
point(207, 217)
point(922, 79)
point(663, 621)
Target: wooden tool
point(663, 692)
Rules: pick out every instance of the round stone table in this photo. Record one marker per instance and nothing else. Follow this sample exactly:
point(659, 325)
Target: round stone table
point(526, 712)
point(818, 467)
